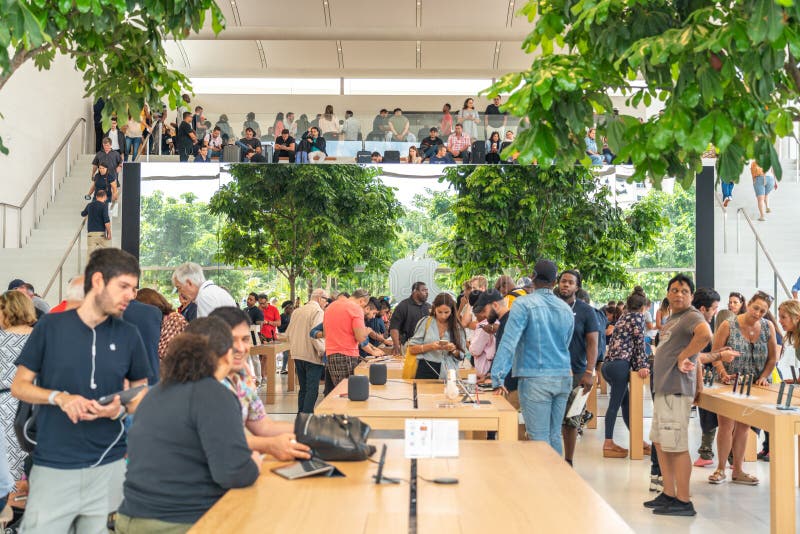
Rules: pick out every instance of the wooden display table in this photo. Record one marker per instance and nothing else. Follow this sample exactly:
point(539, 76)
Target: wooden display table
point(759, 411)
point(390, 411)
point(522, 486)
point(394, 368)
point(269, 352)
point(636, 407)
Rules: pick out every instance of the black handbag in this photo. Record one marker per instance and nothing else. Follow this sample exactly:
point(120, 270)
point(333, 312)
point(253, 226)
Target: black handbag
point(334, 437)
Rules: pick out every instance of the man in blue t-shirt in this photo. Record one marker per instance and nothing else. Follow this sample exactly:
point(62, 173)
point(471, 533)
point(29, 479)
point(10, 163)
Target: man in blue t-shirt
point(75, 358)
point(582, 351)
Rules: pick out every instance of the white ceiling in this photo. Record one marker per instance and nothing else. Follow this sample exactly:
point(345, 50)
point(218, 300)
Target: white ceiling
point(359, 38)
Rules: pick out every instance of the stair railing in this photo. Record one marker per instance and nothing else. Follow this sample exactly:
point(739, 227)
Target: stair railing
point(29, 212)
point(776, 276)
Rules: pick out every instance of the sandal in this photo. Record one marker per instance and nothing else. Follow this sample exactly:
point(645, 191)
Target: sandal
point(614, 453)
point(718, 477)
point(744, 478)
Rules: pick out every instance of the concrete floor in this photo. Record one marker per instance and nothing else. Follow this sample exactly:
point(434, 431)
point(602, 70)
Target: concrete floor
point(623, 483)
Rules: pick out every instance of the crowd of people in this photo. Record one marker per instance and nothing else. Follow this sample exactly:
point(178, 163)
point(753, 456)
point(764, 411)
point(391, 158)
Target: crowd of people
point(299, 139)
point(198, 426)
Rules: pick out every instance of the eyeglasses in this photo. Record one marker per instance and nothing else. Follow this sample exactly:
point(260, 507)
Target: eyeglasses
point(679, 291)
point(765, 296)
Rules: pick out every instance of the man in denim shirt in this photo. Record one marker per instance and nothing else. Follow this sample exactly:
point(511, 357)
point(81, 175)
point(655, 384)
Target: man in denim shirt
point(536, 346)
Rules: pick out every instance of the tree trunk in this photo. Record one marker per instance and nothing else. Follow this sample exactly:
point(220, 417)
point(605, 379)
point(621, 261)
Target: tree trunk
point(310, 287)
point(292, 282)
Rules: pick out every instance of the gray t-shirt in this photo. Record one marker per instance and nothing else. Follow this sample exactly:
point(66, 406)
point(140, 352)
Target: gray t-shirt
point(675, 336)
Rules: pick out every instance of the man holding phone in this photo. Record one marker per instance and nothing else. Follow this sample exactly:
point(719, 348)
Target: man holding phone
point(76, 357)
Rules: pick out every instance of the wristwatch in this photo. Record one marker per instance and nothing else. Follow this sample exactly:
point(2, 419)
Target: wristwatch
point(53, 394)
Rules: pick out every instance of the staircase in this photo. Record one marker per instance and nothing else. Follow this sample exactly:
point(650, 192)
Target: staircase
point(737, 271)
point(54, 239)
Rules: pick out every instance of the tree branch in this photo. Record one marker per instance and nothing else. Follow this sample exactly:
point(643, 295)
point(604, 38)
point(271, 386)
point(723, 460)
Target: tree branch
point(19, 59)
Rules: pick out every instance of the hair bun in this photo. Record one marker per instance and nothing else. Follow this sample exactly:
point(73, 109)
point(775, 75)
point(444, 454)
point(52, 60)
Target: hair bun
point(638, 290)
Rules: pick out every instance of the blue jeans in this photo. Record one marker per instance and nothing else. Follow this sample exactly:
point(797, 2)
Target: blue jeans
point(727, 190)
point(308, 377)
point(617, 374)
point(134, 142)
point(543, 401)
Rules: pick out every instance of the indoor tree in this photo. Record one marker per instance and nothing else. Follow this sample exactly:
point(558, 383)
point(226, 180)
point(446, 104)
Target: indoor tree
point(726, 72)
point(116, 44)
point(306, 220)
point(510, 216)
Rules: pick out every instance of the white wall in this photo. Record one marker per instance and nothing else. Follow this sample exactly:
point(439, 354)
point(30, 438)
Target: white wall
point(38, 108)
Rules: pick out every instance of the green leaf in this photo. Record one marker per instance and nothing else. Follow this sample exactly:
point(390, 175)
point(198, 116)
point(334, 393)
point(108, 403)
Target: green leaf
point(723, 131)
point(701, 134)
point(730, 163)
point(84, 6)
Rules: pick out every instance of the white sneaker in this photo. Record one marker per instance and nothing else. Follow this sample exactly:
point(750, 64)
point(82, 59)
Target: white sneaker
point(656, 483)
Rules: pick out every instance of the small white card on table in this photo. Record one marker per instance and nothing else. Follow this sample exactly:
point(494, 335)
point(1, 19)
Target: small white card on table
point(431, 438)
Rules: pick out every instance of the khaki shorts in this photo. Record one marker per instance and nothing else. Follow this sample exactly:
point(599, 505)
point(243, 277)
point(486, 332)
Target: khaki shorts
point(670, 427)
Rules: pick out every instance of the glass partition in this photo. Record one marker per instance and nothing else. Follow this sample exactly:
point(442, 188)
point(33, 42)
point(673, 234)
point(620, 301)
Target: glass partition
point(176, 226)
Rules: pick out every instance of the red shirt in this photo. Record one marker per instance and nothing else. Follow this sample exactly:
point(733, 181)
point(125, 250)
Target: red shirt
point(342, 317)
point(60, 307)
point(271, 313)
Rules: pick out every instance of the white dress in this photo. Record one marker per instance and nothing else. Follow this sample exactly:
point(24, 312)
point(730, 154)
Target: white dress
point(469, 126)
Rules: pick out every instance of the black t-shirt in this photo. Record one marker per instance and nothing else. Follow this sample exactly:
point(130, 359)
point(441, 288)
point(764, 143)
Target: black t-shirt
point(96, 214)
point(258, 158)
point(147, 319)
point(184, 140)
point(406, 316)
point(252, 142)
point(59, 351)
point(187, 448)
point(585, 323)
point(190, 312)
point(255, 314)
point(494, 116)
point(103, 183)
point(288, 142)
point(510, 382)
point(426, 143)
point(285, 318)
point(112, 160)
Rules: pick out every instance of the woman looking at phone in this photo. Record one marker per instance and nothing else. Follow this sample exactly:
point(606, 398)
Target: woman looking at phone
point(753, 337)
point(439, 341)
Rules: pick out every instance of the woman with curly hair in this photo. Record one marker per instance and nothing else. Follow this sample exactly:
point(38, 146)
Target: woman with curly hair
point(186, 446)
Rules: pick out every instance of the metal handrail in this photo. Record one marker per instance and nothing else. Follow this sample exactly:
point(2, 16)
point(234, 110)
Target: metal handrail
point(776, 277)
point(34, 190)
point(60, 269)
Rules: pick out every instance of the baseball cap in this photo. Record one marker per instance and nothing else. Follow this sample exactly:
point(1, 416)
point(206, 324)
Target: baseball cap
point(15, 283)
point(524, 282)
point(487, 297)
point(545, 270)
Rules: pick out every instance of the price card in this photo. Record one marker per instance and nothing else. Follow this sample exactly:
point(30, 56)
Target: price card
point(431, 438)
